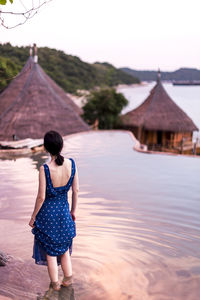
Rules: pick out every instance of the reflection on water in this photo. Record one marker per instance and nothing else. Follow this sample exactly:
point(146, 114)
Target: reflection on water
point(65, 293)
point(138, 219)
point(39, 159)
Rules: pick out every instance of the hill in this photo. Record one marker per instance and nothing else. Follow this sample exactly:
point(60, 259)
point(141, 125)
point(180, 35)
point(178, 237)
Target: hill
point(68, 71)
point(180, 74)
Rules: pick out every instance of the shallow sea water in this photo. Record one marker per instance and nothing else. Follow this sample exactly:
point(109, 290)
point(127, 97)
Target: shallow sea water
point(138, 219)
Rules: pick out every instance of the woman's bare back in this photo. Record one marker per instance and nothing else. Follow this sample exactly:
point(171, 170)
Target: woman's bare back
point(60, 175)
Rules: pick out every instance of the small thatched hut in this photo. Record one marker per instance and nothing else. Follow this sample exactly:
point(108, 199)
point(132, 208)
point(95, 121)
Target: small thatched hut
point(158, 122)
point(33, 104)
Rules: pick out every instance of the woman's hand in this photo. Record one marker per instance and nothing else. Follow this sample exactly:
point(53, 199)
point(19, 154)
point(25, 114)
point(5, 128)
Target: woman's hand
point(32, 220)
point(73, 215)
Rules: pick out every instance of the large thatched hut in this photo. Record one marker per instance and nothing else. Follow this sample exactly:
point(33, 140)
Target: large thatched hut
point(159, 122)
point(33, 104)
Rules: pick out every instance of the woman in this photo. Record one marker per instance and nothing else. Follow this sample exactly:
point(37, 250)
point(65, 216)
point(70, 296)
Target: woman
point(52, 221)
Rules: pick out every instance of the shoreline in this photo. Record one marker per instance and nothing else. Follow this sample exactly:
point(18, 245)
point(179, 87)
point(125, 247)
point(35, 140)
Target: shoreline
point(81, 100)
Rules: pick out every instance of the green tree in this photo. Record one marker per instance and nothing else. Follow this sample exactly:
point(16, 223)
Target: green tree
point(104, 105)
point(8, 70)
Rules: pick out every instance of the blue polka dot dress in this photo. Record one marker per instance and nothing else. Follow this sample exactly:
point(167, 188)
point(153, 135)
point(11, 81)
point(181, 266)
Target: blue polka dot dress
point(54, 228)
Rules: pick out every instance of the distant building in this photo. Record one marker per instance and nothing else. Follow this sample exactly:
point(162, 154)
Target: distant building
point(159, 122)
point(33, 104)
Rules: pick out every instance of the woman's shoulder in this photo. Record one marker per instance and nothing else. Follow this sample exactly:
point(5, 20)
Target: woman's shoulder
point(67, 162)
point(68, 159)
point(70, 162)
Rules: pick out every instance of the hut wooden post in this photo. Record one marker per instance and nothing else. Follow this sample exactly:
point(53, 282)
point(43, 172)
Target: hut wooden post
point(140, 134)
point(195, 146)
point(182, 145)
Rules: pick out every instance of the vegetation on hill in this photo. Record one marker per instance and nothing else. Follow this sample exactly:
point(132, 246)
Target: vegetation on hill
point(111, 76)
point(68, 71)
point(104, 107)
point(180, 74)
point(8, 70)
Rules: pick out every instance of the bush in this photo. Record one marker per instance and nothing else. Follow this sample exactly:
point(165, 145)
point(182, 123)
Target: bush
point(8, 70)
point(104, 105)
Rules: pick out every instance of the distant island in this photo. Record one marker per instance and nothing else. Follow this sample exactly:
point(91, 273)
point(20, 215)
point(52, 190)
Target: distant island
point(182, 74)
point(68, 71)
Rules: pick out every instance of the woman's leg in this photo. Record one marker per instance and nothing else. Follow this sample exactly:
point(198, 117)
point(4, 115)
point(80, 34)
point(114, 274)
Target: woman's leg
point(52, 268)
point(66, 264)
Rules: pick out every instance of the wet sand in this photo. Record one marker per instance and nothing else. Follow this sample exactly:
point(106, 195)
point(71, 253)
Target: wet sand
point(138, 233)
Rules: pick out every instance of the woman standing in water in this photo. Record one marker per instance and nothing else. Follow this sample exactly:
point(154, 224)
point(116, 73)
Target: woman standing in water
point(52, 221)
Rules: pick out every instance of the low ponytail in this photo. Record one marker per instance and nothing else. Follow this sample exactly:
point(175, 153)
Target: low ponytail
point(59, 159)
point(53, 143)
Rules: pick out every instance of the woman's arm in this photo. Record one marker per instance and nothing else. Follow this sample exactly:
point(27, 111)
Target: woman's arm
point(75, 190)
point(40, 196)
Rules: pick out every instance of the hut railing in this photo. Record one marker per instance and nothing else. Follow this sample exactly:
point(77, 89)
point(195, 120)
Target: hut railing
point(180, 146)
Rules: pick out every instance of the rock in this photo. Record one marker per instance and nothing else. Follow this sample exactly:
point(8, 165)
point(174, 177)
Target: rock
point(3, 258)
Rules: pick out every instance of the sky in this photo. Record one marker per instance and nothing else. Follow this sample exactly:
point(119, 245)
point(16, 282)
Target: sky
point(142, 34)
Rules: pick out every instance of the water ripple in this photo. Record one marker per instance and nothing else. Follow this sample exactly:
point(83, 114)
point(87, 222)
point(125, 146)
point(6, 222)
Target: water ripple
point(138, 219)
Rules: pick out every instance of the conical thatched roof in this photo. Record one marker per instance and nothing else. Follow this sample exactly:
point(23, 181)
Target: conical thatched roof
point(159, 112)
point(33, 104)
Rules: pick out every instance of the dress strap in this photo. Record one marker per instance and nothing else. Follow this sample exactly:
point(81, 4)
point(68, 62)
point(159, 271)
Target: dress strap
point(47, 174)
point(73, 169)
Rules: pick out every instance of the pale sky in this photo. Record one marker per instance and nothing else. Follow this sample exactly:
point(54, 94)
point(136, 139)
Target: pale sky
point(142, 34)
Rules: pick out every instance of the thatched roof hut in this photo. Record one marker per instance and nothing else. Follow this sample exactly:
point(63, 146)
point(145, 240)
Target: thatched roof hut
point(159, 120)
point(159, 112)
point(33, 104)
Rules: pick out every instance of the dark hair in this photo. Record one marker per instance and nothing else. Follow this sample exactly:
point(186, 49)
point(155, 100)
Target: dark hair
point(53, 143)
